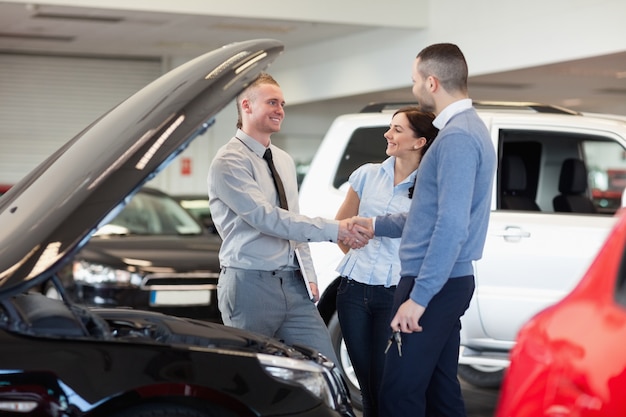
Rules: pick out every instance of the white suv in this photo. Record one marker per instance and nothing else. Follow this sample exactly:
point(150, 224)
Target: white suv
point(534, 254)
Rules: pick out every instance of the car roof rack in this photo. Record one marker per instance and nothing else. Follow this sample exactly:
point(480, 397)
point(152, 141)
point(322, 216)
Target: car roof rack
point(381, 107)
point(524, 105)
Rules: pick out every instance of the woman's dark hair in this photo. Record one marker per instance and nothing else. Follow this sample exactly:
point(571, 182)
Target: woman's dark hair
point(421, 124)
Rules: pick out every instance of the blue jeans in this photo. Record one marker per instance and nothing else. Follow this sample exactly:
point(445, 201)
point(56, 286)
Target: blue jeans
point(364, 313)
point(423, 382)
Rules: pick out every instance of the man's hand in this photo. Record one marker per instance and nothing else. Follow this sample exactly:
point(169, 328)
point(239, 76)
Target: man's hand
point(315, 291)
point(364, 225)
point(360, 232)
point(408, 316)
point(353, 234)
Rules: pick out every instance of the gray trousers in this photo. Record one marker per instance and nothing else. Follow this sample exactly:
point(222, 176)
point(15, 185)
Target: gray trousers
point(275, 304)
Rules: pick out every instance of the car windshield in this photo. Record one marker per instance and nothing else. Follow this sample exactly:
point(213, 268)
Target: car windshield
point(197, 206)
point(152, 214)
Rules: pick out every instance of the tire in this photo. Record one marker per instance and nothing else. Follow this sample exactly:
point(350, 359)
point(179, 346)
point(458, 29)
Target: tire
point(345, 365)
point(481, 376)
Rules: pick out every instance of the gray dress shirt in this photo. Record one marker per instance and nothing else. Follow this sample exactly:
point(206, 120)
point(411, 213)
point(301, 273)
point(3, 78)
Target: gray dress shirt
point(256, 232)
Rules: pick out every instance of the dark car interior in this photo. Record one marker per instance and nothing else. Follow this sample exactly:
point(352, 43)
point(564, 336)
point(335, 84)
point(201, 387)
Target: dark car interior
point(531, 164)
point(547, 171)
point(573, 188)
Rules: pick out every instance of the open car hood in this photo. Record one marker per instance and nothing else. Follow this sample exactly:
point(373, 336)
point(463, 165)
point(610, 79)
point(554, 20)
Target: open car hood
point(54, 210)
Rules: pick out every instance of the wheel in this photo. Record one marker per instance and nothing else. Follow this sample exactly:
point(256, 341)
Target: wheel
point(482, 376)
point(345, 365)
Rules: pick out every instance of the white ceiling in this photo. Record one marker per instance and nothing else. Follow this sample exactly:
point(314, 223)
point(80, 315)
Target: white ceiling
point(595, 84)
point(77, 30)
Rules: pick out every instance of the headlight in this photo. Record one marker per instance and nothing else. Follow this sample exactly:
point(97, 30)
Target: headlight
point(91, 273)
point(314, 377)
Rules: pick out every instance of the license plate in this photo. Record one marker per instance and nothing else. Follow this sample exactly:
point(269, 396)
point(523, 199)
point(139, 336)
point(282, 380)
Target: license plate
point(180, 298)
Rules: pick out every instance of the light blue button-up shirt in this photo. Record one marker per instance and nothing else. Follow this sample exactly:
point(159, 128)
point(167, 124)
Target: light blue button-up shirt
point(377, 263)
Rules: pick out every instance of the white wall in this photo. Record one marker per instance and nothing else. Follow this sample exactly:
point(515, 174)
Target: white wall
point(495, 36)
point(358, 12)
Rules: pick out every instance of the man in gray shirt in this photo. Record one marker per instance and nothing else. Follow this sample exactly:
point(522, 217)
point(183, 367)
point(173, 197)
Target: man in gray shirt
point(265, 251)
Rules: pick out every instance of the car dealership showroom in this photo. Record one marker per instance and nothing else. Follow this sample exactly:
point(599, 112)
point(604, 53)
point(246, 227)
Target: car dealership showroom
point(111, 113)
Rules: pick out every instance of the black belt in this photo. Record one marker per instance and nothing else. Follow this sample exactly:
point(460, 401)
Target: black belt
point(367, 285)
point(279, 273)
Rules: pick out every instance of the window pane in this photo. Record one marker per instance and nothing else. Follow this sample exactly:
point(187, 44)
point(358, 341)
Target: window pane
point(606, 163)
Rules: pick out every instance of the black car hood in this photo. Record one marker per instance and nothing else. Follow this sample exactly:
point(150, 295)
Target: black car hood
point(54, 210)
point(178, 254)
point(148, 326)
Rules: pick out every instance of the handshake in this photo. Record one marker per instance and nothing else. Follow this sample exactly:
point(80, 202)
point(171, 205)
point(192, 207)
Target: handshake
point(356, 231)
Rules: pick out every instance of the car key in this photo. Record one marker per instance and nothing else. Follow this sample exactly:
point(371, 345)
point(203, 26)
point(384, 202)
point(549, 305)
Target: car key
point(395, 337)
point(398, 338)
point(389, 343)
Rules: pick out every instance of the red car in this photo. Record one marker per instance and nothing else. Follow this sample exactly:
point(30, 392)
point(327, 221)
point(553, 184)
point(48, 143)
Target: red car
point(570, 359)
point(4, 188)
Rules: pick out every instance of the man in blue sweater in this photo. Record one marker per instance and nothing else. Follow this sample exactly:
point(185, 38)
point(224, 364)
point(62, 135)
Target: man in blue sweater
point(443, 232)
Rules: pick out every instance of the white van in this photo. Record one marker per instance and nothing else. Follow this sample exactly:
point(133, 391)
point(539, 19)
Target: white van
point(550, 159)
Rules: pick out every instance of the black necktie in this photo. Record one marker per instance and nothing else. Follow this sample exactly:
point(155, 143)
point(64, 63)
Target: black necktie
point(277, 182)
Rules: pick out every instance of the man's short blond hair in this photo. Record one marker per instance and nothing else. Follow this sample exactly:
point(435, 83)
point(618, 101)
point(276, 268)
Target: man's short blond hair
point(263, 78)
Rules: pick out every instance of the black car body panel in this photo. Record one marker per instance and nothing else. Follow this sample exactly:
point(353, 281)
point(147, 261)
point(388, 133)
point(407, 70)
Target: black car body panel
point(137, 356)
point(59, 358)
point(176, 267)
point(181, 275)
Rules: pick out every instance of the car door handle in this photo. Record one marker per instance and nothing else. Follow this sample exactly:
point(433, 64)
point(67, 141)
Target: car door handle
point(513, 233)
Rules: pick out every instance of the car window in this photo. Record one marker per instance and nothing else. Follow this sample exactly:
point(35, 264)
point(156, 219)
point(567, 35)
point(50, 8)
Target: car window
point(541, 155)
point(607, 172)
point(152, 214)
point(198, 207)
point(367, 144)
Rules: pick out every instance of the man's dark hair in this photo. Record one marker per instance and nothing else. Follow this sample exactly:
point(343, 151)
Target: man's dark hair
point(446, 62)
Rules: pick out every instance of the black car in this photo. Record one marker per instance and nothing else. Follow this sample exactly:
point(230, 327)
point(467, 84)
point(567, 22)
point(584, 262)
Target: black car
point(154, 255)
point(60, 358)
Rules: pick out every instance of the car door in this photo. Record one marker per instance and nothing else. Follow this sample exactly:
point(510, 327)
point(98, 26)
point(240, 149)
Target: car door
point(534, 257)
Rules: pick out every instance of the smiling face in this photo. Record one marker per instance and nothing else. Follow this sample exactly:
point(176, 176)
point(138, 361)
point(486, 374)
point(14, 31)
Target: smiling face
point(401, 139)
point(263, 111)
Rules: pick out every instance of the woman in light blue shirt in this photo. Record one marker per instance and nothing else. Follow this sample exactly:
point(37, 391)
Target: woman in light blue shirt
point(370, 274)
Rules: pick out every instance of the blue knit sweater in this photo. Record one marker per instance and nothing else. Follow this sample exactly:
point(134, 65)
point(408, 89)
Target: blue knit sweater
point(445, 228)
